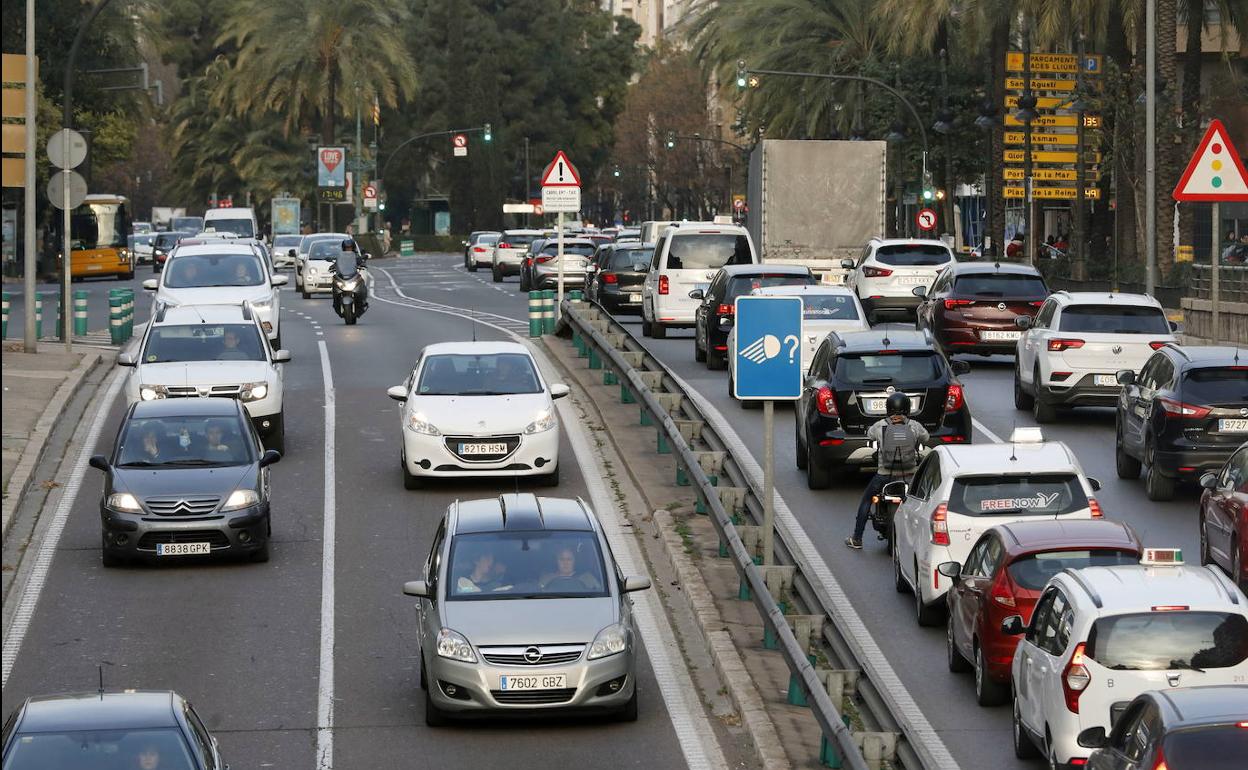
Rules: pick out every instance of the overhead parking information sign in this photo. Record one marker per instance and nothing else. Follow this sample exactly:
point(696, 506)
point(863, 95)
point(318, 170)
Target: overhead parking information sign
point(768, 348)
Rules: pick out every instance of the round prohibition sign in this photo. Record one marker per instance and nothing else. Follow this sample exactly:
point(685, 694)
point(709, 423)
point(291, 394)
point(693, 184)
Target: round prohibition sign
point(460, 140)
point(926, 219)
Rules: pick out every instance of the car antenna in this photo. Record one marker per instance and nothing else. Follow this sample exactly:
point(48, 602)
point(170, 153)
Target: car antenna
point(1013, 454)
point(100, 668)
point(472, 316)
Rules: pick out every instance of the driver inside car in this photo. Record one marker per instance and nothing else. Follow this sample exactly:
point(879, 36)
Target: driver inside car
point(565, 569)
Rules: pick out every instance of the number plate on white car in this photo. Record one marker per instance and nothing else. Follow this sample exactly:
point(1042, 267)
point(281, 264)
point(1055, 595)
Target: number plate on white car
point(482, 449)
point(999, 335)
point(513, 682)
point(1233, 426)
point(634, 298)
point(913, 280)
point(1105, 380)
point(183, 549)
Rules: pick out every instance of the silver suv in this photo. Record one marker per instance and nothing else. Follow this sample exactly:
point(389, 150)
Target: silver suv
point(523, 609)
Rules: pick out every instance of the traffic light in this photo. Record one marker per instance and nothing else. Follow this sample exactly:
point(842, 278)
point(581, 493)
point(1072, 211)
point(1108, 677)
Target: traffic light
point(929, 189)
point(671, 140)
point(488, 133)
point(381, 205)
point(615, 171)
point(742, 78)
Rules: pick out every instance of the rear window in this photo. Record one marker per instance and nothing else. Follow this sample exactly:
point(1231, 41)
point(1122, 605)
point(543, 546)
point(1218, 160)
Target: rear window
point(624, 259)
point(1114, 319)
point(517, 241)
point(1160, 641)
point(487, 240)
point(1046, 495)
point(901, 370)
point(745, 284)
point(1216, 384)
point(581, 249)
point(1207, 748)
point(1001, 285)
point(828, 307)
point(1032, 571)
point(705, 251)
point(913, 255)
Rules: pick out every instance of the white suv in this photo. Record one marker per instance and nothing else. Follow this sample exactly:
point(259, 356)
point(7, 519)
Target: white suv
point(221, 273)
point(1100, 636)
point(889, 270)
point(959, 492)
point(687, 258)
point(1069, 354)
point(196, 351)
point(509, 252)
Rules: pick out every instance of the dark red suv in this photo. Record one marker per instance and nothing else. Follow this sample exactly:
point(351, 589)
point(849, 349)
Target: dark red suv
point(971, 306)
point(1004, 574)
point(1224, 517)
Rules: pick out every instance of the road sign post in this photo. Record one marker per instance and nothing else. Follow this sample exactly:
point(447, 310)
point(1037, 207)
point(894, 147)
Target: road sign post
point(561, 192)
point(768, 364)
point(67, 149)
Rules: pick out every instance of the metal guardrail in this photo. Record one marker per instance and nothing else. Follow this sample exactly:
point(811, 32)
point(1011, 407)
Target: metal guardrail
point(682, 426)
point(1232, 282)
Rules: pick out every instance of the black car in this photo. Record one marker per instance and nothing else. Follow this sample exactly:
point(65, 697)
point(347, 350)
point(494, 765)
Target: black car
point(87, 731)
point(1183, 415)
point(187, 477)
point(616, 275)
point(843, 395)
point(714, 317)
point(162, 244)
point(1188, 728)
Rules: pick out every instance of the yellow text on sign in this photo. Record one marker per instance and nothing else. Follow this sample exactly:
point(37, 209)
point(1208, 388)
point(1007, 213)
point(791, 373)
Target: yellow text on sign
point(1043, 102)
point(1049, 175)
point(1020, 137)
point(1046, 121)
point(1051, 156)
point(1041, 84)
point(1053, 62)
point(1053, 193)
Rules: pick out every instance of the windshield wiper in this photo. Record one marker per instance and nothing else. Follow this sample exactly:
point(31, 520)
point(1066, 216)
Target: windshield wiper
point(139, 464)
point(192, 461)
point(1182, 664)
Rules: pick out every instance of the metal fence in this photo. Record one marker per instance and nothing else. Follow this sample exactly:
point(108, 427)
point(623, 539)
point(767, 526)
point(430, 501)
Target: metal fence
point(1232, 283)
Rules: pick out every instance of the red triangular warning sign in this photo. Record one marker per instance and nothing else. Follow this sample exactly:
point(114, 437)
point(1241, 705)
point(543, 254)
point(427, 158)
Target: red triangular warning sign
point(1215, 172)
point(561, 173)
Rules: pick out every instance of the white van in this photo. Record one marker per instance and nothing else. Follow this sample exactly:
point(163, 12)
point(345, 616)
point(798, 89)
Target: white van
point(686, 258)
point(652, 231)
point(240, 221)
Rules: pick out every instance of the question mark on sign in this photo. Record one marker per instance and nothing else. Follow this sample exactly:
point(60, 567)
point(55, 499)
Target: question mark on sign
point(793, 347)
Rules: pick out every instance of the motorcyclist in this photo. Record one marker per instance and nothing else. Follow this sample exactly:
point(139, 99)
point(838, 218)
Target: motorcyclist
point(897, 439)
point(348, 263)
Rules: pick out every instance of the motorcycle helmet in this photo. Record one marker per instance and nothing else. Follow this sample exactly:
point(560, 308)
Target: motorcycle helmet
point(348, 245)
point(897, 403)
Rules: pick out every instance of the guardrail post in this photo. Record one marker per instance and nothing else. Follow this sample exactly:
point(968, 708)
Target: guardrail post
point(609, 377)
point(4, 329)
point(595, 358)
point(535, 314)
point(81, 297)
point(626, 394)
point(828, 755)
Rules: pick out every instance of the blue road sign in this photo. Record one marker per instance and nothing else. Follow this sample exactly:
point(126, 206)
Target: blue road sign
point(768, 348)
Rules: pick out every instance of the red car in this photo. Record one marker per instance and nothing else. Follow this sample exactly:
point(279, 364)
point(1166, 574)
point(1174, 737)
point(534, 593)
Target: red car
point(1004, 574)
point(1224, 517)
point(971, 306)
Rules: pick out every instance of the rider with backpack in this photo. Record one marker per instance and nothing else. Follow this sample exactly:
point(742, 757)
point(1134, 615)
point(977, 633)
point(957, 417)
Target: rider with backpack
point(898, 439)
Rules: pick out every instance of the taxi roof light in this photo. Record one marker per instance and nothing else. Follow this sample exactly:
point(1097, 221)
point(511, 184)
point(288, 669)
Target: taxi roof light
point(1027, 435)
point(1162, 557)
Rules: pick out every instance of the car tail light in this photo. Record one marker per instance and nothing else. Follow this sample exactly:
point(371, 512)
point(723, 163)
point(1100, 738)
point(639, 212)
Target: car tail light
point(940, 525)
point(1175, 408)
point(504, 245)
point(725, 310)
point(950, 304)
point(1060, 344)
point(610, 278)
point(543, 259)
point(664, 285)
point(1170, 608)
point(1095, 508)
point(825, 402)
point(954, 398)
point(1036, 303)
point(478, 249)
point(1158, 344)
point(1059, 376)
point(876, 272)
point(1160, 762)
point(1001, 593)
point(1075, 679)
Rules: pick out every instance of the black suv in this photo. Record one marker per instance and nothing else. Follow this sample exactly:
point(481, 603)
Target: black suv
point(1183, 415)
point(616, 274)
point(851, 376)
point(713, 318)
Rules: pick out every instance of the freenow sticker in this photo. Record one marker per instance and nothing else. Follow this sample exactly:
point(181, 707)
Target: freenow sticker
point(1040, 500)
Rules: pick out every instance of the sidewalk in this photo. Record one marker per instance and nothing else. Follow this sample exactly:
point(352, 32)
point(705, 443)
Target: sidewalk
point(37, 388)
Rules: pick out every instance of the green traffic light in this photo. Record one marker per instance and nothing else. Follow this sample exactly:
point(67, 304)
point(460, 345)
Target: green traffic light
point(928, 195)
point(489, 133)
point(742, 78)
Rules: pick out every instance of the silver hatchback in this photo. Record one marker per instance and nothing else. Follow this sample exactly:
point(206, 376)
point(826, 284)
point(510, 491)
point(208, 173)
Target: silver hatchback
point(522, 609)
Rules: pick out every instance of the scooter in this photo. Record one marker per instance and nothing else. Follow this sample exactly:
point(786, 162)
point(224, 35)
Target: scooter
point(884, 505)
point(350, 290)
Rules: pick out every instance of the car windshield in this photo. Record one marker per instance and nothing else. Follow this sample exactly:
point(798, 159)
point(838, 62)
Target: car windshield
point(625, 259)
point(912, 255)
point(901, 370)
point(1214, 747)
point(190, 224)
point(309, 240)
point(167, 241)
point(1168, 640)
point(190, 271)
point(1114, 319)
point(1000, 285)
point(162, 748)
point(240, 227)
point(492, 374)
point(744, 284)
point(144, 239)
point(551, 564)
point(1026, 495)
point(203, 342)
point(287, 241)
point(1216, 385)
point(580, 249)
point(1032, 571)
point(829, 307)
point(708, 251)
point(184, 442)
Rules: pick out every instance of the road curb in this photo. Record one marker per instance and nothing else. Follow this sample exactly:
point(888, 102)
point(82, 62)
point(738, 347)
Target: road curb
point(32, 454)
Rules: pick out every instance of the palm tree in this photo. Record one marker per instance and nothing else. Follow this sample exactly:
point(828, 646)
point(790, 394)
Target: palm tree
point(311, 59)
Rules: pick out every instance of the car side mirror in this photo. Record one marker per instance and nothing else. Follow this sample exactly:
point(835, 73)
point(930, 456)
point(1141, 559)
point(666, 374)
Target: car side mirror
point(950, 569)
point(1023, 322)
point(697, 294)
point(150, 284)
point(896, 489)
point(847, 264)
point(1013, 625)
point(559, 390)
point(1093, 738)
point(1095, 483)
point(281, 356)
point(960, 367)
point(397, 392)
point(1174, 326)
point(635, 583)
point(279, 280)
point(1209, 480)
point(270, 457)
point(99, 462)
point(919, 291)
point(418, 588)
point(1125, 377)
point(126, 359)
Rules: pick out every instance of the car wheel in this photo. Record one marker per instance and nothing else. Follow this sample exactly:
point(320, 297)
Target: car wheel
point(658, 331)
point(472, 265)
point(1159, 488)
point(715, 361)
point(261, 555)
point(410, 481)
point(277, 436)
point(498, 277)
point(817, 474)
point(957, 663)
point(988, 691)
point(1023, 747)
point(1041, 412)
point(424, 678)
point(925, 614)
point(899, 580)
point(1125, 465)
point(304, 294)
point(629, 712)
point(524, 282)
point(699, 353)
point(549, 479)
point(1022, 399)
point(800, 451)
point(645, 325)
point(434, 716)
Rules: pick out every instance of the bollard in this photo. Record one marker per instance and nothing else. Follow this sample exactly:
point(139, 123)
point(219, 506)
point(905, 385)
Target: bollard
point(548, 311)
point(4, 328)
point(576, 296)
point(60, 317)
point(128, 314)
point(644, 417)
point(663, 444)
point(80, 312)
point(39, 315)
point(114, 316)
point(535, 314)
point(609, 377)
point(828, 756)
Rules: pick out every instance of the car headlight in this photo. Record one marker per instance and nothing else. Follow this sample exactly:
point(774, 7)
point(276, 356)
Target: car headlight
point(151, 392)
point(262, 305)
point(542, 421)
point(418, 423)
point(610, 641)
point(240, 498)
point(311, 271)
point(254, 391)
point(453, 645)
point(123, 501)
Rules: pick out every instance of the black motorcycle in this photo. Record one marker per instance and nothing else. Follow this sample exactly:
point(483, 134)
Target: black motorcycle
point(350, 288)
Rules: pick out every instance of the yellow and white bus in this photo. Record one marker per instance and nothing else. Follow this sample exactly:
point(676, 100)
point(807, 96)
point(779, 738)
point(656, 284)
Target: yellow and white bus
point(98, 230)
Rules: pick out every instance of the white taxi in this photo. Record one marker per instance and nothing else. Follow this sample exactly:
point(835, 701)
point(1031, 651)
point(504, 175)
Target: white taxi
point(960, 491)
point(1100, 636)
point(478, 409)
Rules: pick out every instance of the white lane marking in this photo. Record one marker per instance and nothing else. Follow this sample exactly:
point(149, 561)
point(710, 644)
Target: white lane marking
point(325, 679)
point(25, 612)
point(994, 438)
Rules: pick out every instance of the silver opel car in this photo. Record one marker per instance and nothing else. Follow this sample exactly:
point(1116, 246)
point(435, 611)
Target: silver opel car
point(523, 609)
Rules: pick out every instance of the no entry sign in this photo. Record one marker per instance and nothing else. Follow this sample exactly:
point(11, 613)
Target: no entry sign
point(926, 219)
